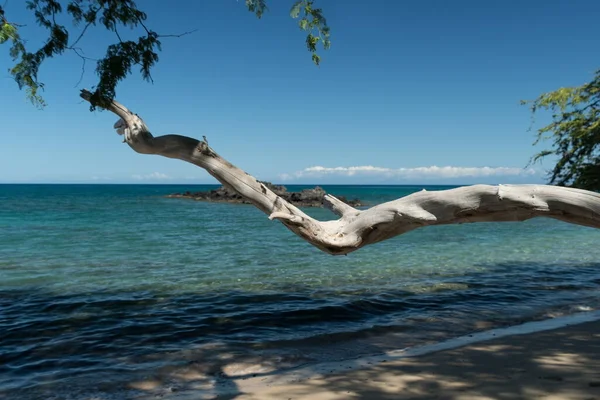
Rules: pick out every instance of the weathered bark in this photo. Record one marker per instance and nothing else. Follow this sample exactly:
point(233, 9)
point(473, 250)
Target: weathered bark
point(355, 228)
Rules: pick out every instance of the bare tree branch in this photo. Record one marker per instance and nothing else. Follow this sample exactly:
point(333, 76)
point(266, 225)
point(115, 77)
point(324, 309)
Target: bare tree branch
point(355, 228)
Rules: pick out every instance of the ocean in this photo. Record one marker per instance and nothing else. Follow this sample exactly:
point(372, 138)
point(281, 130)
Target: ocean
point(116, 291)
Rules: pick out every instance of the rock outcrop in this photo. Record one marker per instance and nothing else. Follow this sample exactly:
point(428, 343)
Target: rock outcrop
point(305, 198)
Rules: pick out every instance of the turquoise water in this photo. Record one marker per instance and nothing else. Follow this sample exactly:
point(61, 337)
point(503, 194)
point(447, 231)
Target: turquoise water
point(102, 286)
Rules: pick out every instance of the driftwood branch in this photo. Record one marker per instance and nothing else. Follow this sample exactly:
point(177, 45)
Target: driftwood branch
point(355, 228)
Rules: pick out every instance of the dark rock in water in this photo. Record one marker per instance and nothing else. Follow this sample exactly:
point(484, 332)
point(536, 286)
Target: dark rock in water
point(305, 198)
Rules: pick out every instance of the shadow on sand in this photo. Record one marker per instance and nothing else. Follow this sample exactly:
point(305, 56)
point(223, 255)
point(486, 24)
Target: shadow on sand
point(562, 363)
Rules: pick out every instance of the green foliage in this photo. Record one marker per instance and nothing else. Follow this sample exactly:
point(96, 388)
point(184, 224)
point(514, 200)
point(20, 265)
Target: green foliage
point(257, 7)
point(315, 24)
point(10, 33)
point(575, 134)
point(122, 56)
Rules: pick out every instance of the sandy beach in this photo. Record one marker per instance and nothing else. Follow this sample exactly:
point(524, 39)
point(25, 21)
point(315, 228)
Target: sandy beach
point(555, 363)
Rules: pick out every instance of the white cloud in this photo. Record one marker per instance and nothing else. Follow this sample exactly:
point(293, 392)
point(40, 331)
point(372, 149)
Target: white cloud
point(409, 173)
point(154, 176)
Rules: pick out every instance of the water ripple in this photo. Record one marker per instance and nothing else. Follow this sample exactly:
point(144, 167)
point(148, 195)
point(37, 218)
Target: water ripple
point(113, 283)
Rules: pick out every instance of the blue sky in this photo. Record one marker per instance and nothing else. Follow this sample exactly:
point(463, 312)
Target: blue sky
point(410, 92)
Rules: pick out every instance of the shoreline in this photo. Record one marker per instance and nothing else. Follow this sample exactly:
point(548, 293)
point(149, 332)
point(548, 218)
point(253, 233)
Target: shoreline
point(424, 366)
point(545, 357)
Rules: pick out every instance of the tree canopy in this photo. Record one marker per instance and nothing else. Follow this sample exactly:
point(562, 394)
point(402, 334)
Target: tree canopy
point(575, 134)
point(123, 55)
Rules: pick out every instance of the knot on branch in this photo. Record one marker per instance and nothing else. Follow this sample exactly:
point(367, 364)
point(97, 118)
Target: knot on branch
point(204, 149)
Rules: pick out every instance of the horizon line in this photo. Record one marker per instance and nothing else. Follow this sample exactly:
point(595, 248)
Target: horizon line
point(274, 183)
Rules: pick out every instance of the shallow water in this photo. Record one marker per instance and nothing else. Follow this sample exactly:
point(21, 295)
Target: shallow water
point(104, 286)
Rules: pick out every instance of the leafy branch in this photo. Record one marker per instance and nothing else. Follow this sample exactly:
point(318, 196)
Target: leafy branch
point(120, 57)
point(575, 134)
point(313, 22)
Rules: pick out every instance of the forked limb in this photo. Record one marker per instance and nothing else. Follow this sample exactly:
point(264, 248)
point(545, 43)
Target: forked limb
point(355, 228)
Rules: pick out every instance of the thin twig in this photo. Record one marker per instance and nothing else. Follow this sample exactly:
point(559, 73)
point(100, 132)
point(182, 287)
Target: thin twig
point(141, 22)
point(79, 52)
point(82, 33)
point(180, 34)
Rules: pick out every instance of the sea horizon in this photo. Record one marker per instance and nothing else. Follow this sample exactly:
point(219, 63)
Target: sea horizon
point(273, 182)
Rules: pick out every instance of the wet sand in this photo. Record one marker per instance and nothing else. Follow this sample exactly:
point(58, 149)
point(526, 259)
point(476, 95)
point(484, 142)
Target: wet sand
point(560, 363)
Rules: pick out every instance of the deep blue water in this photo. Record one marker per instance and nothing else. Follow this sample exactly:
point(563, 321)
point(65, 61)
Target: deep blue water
point(117, 283)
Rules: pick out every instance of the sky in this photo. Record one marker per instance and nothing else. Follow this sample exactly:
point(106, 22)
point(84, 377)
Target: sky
point(410, 92)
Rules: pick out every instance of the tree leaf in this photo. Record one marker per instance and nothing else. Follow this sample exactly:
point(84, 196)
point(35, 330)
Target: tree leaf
point(316, 59)
point(295, 10)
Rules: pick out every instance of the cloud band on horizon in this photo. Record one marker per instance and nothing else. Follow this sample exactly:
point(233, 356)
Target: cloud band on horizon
point(430, 172)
